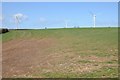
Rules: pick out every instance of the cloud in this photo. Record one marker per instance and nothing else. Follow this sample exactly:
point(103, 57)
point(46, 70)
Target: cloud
point(20, 17)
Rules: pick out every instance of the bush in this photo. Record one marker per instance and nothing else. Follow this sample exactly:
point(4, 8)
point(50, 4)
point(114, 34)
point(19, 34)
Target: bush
point(3, 30)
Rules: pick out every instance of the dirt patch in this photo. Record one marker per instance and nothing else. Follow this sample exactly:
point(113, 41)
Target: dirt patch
point(19, 55)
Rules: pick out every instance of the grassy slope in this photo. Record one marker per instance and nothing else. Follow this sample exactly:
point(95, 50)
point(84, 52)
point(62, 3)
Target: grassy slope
point(101, 42)
point(87, 38)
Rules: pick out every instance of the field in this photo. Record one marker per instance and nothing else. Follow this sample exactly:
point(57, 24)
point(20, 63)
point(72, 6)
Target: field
point(61, 53)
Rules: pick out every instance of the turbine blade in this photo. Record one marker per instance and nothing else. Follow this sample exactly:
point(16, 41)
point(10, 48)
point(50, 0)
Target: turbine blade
point(17, 19)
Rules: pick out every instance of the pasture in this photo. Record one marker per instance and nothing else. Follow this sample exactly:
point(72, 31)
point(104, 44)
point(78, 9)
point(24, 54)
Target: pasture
point(61, 53)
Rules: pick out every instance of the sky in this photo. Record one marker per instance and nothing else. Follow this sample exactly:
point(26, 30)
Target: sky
point(60, 0)
point(38, 15)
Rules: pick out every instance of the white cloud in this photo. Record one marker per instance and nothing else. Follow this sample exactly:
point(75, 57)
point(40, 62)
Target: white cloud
point(20, 16)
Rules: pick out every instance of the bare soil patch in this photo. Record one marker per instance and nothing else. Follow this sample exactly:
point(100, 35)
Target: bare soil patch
point(19, 56)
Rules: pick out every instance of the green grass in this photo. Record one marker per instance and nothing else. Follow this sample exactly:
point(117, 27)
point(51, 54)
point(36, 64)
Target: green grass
point(100, 34)
point(105, 72)
point(85, 42)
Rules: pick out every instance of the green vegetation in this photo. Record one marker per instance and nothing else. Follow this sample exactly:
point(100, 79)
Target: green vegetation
point(97, 48)
point(85, 34)
point(105, 72)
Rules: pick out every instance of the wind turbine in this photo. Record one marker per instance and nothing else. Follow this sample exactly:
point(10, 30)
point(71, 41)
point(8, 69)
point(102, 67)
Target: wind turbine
point(17, 21)
point(18, 18)
point(94, 19)
point(66, 23)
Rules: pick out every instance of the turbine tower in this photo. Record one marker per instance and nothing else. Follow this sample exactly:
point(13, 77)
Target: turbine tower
point(94, 20)
point(66, 24)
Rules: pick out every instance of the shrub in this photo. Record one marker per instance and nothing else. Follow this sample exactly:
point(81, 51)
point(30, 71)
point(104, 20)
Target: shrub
point(3, 30)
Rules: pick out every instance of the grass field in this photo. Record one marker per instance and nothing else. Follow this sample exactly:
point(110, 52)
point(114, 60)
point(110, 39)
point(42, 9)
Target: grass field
point(61, 53)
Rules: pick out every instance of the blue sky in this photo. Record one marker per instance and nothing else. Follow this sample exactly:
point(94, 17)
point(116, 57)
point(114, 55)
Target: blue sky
point(54, 14)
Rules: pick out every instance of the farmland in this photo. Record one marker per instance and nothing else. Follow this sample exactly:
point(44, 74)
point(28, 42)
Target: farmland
point(61, 53)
